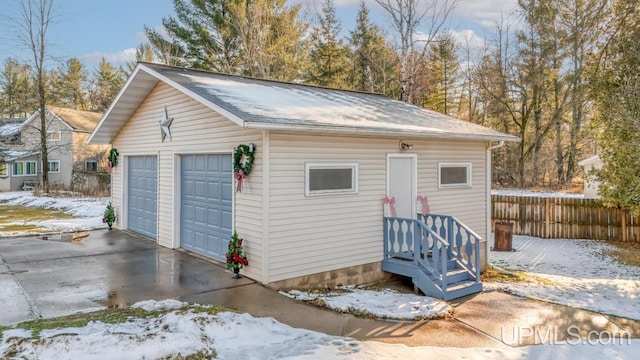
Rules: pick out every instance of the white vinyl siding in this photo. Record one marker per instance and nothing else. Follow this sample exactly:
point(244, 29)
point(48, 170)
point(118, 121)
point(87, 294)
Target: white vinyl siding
point(321, 233)
point(195, 129)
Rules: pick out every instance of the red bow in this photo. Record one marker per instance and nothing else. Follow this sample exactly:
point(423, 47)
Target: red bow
point(392, 205)
point(425, 204)
point(239, 176)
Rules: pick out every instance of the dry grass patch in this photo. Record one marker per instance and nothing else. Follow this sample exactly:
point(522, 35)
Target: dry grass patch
point(627, 253)
point(495, 275)
point(17, 218)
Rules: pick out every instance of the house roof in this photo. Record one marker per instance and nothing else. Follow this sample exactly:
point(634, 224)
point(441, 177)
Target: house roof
point(590, 160)
point(13, 155)
point(10, 129)
point(76, 120)
point(272, 105)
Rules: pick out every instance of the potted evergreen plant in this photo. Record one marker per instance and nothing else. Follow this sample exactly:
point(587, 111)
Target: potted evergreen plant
point(109, 216)
point(236, 258)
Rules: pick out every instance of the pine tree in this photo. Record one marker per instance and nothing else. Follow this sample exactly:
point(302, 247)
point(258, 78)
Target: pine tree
point(144, 53)
point(616, 90)
point(328, 54)
point(443, 75)
point(107, 81)
point(72, 87)
point(17, 94)
point(374, 62)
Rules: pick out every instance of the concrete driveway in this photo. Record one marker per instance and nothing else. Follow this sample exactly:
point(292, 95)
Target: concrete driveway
point(45, 278)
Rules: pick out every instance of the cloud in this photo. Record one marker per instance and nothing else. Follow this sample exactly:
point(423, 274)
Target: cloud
point(91, 60)
point(484, 12)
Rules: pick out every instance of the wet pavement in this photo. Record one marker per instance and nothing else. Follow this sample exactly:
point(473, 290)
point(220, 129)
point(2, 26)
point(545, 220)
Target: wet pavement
point(41, 278)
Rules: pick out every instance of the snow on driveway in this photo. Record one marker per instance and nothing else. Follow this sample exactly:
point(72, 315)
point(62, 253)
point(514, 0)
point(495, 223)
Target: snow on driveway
point(229, 335)
point(88, 211)
point(583, 275)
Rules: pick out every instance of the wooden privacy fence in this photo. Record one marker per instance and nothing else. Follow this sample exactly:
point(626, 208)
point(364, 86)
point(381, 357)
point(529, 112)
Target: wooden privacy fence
point(564, 218)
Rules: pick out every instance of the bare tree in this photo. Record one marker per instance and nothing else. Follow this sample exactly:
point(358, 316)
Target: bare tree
point(417, 22)
point(32, 25)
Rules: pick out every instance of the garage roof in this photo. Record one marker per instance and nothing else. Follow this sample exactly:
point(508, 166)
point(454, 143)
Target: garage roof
point(272, 105)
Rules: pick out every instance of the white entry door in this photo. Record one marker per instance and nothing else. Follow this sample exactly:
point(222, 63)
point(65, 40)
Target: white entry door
point(402, 183)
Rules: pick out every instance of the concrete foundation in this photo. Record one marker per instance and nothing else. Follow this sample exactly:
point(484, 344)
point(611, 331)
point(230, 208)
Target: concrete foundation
point(354, 275)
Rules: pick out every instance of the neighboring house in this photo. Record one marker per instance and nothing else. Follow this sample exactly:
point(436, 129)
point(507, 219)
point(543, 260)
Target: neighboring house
point(311, 210)
point(71, 160)
point(591, 184)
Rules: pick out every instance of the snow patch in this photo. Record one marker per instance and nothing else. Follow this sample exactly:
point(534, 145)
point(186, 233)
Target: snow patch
point(153, 305)
point(386, 303)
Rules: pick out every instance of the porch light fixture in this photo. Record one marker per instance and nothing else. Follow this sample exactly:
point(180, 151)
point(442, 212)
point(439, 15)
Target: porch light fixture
point(404, 145)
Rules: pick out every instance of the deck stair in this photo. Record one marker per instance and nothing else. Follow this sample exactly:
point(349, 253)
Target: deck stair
point(439, 253)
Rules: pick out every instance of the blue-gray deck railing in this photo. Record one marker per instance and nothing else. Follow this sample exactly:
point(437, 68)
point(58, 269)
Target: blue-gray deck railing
point(464, 243)
point(413, 240)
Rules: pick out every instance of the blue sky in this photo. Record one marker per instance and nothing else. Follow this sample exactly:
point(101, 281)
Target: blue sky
point(91, 29)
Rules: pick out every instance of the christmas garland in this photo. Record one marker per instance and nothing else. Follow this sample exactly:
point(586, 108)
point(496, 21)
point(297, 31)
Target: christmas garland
point(113, 157)
point(243, 151)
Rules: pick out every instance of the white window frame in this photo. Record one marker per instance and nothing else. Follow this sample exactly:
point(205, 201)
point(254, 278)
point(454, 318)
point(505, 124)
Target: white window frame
point(54, 161)
point(86, 168)
point(13, 168)
point(50, 136)
point(354, 178)
point(5, 166)
point(26, 167)
point(467, 165)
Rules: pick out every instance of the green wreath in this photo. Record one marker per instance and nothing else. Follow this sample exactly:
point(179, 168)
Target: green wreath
point(113, 157)
point(243, 151)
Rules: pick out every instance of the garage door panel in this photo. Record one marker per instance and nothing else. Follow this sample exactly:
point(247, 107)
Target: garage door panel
point(142, 199)
point(206, 201)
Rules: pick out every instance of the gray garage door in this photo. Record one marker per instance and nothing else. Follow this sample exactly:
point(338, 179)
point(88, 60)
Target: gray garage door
point(206, 191)
point(143, 195)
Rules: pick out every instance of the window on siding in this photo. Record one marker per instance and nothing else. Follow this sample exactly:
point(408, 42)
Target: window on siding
point(454, 175)
point(18, 168)
point(55, 136)
point(54, 166)
point(31, 168)
point(91, 165)
point(334, 178)
point(4, 171)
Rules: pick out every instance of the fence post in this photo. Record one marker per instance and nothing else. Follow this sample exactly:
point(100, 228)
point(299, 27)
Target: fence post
point(547, 211)
point(624, 224)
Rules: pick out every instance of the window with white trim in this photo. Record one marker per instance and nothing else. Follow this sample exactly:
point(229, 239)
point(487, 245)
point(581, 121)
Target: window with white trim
point(331, 178)
point(31, 168)
point(55, 136)
point(91, 165)
point(18, 168)
point(54, 166)
point(4, 170)
point(454, 175)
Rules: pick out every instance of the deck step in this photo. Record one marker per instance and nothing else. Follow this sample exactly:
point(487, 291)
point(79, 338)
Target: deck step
point(462, 288)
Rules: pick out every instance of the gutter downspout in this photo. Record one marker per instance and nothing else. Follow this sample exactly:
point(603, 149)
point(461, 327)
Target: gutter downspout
point(488, 199)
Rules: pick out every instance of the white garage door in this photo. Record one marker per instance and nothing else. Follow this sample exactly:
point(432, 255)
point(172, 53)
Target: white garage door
point(143, 195)
point(206, 204)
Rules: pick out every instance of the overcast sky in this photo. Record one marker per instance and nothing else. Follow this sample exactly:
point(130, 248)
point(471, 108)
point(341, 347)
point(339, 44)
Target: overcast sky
point(92, 29)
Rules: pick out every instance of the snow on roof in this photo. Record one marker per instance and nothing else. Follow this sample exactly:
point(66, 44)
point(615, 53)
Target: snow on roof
point(12, 155)
point(264, 104)
point(590, 160)
point(10, 129)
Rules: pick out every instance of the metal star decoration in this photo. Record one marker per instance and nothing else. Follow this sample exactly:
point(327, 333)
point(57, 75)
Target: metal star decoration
point(165, 125)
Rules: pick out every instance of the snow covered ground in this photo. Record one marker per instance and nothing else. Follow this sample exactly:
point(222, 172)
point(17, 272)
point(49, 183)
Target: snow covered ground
point(242, 336)
point(583, 276)
point(88, 211)
point(386, 303)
